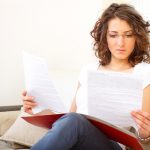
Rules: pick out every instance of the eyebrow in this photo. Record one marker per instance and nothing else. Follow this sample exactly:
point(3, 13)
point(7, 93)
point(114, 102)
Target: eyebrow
point(123, 32)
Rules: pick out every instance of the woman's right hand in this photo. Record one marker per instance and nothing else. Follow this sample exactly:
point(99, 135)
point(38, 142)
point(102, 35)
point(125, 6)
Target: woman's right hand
point(28, 102)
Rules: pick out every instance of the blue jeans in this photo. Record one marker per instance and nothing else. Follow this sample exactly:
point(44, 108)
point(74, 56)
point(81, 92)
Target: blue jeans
point(74, 132)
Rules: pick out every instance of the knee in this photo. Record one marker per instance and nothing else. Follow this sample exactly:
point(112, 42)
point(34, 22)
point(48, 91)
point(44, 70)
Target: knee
point(78, 123)
point(75, 119)
point(74, 116)
point(73, 123)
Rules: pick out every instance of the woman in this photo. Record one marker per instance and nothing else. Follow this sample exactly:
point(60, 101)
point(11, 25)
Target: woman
point(122, 44)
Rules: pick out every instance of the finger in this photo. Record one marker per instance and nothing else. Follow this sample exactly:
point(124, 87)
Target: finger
point(27, 107)
point(144, 114)
point(141, 117)
point(28, 98)
point(24, 93)
point(29, 111)
point(141, 124)
point(25, 96)
point(32, 104)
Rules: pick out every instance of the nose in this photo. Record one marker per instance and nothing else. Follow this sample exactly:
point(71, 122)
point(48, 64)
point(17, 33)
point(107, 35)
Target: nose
point(120, 41)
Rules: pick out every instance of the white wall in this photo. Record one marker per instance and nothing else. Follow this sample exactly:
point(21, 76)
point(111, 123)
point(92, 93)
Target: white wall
point(143, 7)
point(57, 30)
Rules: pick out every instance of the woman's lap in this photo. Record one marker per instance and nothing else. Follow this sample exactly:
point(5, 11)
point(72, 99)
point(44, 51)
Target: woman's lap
point(74, 132)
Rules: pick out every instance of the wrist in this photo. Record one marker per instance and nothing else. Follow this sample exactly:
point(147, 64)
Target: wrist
point(143, 140)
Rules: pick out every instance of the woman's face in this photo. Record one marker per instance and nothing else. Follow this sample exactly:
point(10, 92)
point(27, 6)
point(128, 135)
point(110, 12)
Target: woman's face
point(120, 39)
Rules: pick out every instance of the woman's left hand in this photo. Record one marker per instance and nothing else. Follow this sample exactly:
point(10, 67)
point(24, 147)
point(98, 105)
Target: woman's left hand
point(142, 120)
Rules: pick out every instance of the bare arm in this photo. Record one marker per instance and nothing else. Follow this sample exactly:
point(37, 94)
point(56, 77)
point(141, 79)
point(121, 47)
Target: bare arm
point(73, 107)
point(146, 100)
point(142, 118)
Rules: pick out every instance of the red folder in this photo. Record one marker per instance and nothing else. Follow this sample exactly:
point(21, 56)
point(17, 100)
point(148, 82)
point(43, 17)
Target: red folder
point(115, 133)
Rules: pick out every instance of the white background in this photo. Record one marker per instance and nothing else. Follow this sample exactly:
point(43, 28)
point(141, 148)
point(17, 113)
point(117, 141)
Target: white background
point(58, 30)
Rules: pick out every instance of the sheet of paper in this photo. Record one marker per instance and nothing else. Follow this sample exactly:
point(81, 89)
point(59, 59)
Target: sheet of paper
point(39, 85)
point(112, 96)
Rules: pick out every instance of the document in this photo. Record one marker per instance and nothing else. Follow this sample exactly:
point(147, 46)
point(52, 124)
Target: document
point(39, 85)
point(112, 96)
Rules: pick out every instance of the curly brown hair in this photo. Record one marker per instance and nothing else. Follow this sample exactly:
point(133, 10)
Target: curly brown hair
point(140, 30)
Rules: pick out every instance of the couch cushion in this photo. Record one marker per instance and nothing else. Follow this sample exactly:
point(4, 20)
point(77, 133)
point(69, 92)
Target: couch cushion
point(11, 146)
point(7, 119)
point(23, 133)
point(4, 145)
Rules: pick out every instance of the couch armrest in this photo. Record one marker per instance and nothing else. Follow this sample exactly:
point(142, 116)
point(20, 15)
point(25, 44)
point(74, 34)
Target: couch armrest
point(10, 108)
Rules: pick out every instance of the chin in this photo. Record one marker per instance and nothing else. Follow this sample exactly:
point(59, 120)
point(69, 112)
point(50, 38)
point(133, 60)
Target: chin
point(122, 57)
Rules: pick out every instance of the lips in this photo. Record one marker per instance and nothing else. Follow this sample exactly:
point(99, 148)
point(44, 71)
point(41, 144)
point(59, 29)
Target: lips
point(121, 50)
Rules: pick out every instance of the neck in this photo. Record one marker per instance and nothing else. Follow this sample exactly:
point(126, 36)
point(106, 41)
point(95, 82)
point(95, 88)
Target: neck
point(118, 65)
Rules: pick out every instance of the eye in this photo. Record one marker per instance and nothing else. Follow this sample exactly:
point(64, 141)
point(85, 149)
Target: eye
point(129, 35)
point(113, 35)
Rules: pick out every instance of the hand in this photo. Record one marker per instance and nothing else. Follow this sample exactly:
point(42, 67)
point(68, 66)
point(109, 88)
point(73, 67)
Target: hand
point(142, 120)
point(28, 103)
